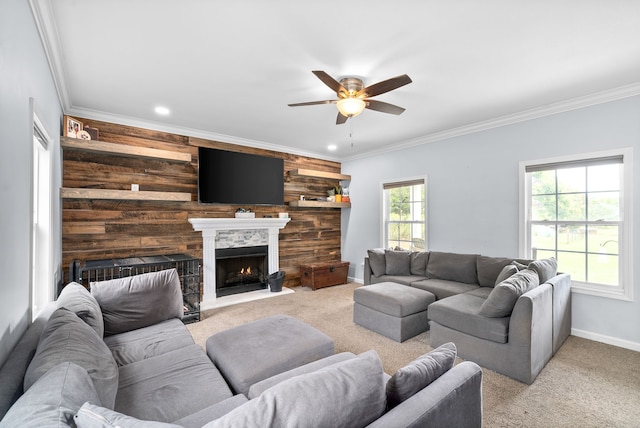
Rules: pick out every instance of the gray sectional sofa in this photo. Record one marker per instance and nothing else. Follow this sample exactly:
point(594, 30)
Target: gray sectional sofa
point(508, 315)
point(120, 356)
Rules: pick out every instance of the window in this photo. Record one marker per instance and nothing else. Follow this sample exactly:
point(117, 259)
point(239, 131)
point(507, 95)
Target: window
point(578, 210)
point(404, 214)
point(41, 243)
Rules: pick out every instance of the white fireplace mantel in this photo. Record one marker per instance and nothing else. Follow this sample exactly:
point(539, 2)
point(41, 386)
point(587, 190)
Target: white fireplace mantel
point(210, 227)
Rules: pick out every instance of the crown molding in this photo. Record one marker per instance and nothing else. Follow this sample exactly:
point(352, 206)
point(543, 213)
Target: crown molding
point(43, 16)
point(510, 119)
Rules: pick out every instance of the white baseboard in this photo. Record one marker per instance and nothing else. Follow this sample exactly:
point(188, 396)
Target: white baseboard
point(627, 344)
point(356, 280)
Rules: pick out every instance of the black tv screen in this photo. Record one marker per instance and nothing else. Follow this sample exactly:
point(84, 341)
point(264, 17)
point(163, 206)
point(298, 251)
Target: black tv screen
point(226, 177)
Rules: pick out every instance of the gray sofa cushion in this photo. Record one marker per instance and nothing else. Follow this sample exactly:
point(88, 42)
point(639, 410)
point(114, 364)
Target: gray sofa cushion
point(138, 301)
point(346, 394)
point(66, 338)
point(545, 268)
point(53, 399)
point(419, 260)
point(453, 267)
point(461, 313)
point(398, 279)
point(215, 411)
point(503, 298)
point(186, 378)
point(506, 272)
point(157, 339)
point(393, 299)
point(442, 288)
point(397, 262)
point(489, 268)
point(92, 416)
point(78, 299)
point(259, 387)
point(419, 373)
point(377, 261)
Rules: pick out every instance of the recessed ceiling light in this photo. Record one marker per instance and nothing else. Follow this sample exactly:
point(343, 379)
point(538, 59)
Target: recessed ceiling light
point(332, 147)
point(162, 111)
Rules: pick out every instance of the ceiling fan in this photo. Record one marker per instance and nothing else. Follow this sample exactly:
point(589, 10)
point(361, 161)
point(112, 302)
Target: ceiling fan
point(354, 97)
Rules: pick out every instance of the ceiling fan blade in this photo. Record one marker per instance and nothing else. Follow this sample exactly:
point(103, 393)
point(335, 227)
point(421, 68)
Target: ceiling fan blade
point(383, 107)
point(312, 103)
point(329, 81)
point(385, 86)
point(341, 119)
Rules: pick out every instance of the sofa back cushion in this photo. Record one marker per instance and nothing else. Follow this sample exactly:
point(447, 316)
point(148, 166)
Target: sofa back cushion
point(397, 262)
point(53, 399)
point(66, 338)
point(545, 268)
point(503, 297)
point(419, 260)
point(453, 267)
point(138, 301)
point(346, 394)
point(78, 299)
point(377, 261)
point(419, 373)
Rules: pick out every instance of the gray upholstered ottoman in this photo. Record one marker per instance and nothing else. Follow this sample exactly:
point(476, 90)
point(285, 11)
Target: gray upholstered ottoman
point(393, 310)
point(260, 349)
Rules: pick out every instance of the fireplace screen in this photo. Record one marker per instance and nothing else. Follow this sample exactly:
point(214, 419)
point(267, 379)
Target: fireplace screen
point(239, 270)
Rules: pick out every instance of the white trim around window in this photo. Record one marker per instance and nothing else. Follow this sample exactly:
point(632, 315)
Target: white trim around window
point(623, 290)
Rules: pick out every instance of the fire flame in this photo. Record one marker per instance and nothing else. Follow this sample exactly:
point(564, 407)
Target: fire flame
point(245, 271)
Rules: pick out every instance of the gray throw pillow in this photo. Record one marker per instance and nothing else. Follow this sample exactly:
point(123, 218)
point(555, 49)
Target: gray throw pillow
point(419, 373)
point(66, 338)
point(504, 296)
point(53, 399)
point(419, 261)
point(546, 268)
point(92, 416)
point(506, 272)
point(346, 394)
point(78, 299)
point(138, 301)
point(397, 262)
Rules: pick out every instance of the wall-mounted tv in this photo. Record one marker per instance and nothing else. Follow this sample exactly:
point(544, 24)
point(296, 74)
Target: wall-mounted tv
point(234, 178)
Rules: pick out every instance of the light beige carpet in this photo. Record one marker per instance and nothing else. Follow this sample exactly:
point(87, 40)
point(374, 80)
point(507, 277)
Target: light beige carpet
point(586, 384)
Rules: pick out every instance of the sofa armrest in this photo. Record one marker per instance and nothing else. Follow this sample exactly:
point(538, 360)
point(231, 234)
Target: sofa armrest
point(367, 272)
point(561, 284)
point(452, 400)
point(530, 330)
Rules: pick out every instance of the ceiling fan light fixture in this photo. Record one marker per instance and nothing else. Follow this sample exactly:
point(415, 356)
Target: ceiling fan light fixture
point(351, 107)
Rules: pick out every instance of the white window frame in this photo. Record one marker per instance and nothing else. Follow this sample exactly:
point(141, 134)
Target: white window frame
point(41, 266)
point(384, 208)
point(624, 290)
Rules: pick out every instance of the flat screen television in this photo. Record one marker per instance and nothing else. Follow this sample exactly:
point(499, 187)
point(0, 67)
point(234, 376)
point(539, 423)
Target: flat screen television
point(234, 178)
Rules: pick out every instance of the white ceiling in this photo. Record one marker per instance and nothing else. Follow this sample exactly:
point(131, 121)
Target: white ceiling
point(227, 70)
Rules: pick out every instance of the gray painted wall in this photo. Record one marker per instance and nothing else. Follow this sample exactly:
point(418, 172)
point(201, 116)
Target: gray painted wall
point(24, 74)
point(473, 196)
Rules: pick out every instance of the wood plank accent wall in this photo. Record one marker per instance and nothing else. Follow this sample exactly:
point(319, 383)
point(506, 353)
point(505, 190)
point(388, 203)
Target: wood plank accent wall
point(95, 229)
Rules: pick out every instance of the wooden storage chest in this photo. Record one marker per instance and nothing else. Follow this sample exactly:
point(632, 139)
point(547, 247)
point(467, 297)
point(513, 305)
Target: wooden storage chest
point(326, 274)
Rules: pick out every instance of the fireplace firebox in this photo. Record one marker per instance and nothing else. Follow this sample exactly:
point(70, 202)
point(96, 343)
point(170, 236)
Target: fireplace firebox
point(241, 269)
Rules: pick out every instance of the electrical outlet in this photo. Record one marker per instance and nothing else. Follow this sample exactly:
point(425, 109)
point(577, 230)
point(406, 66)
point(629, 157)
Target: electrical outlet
point(135, 187)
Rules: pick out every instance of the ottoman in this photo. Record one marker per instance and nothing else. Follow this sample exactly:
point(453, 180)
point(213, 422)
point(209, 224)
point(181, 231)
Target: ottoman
point(393, 310)
point(260, 349)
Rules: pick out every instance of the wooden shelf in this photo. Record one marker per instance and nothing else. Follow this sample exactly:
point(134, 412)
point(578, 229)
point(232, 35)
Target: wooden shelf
point(319, 204)
point(71, 193)
point(318, 174)
point(123, 150)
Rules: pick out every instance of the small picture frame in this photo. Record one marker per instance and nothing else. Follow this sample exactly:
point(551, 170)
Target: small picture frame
point(72, 127)
point(93, 132)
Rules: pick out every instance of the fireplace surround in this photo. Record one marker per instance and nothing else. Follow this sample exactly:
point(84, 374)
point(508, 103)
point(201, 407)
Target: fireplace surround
point(214, 233)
